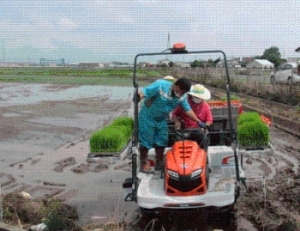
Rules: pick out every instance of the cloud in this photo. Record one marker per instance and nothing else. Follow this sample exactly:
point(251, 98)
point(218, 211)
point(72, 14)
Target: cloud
point(66, 24)
point(125, 27)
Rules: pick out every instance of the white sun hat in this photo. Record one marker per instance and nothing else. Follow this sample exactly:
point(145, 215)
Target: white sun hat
point(200, 91)
point(169, 78)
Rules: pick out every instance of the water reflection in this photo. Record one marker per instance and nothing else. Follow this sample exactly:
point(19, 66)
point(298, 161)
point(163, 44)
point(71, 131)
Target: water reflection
point(18, 94)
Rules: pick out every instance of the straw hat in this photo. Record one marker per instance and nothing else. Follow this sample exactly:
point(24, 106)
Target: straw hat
point(169, 78)
point(200, 91)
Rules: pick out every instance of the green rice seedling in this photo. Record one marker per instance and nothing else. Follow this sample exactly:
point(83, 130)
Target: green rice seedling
point(124, 120)
point(125, 124)
point(232, 97)
point(248, 117)
point(110, 139)
point(113, 137)
point(253, 133)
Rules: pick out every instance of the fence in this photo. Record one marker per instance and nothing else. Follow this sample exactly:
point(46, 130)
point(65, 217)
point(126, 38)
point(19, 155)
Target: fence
point(254, 81)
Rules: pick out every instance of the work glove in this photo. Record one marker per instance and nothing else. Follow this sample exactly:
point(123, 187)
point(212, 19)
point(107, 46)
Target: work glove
point(201, 124)
point(136, 98)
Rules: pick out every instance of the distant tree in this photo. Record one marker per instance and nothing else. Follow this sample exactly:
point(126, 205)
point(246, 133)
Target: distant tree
point(171, 64)
point(217, 60)
point(210, 63)
point(197, 63)
point(273, 55)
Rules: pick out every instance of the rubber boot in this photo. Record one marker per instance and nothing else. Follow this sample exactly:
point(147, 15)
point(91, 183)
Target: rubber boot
point(159, 158)
point(144, 165)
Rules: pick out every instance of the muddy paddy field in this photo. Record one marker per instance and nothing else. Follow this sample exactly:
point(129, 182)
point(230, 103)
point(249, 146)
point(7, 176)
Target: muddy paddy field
point(44, 141)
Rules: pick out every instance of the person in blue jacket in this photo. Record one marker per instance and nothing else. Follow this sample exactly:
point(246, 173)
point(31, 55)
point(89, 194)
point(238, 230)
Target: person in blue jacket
point(160, 98)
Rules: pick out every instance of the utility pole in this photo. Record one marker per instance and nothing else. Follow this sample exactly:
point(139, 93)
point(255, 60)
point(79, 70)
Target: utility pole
point(1, 205)
point(3, 51)
point(168, 43)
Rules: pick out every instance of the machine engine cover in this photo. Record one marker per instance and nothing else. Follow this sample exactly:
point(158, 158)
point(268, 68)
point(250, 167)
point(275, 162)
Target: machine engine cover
point(185, 169)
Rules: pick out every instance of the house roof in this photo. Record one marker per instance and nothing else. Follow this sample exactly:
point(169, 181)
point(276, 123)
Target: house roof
point(264, 62)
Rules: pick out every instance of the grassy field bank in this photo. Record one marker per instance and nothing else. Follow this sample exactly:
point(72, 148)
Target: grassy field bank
point(62, 75)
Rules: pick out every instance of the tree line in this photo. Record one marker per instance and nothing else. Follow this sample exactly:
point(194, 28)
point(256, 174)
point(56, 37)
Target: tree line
point(271, 54)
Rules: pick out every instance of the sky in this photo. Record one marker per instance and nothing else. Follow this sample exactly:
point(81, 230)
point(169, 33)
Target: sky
point(117, 30)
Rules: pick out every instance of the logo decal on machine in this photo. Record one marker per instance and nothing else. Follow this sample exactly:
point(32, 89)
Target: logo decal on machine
point(226, 160)
point(184, 166)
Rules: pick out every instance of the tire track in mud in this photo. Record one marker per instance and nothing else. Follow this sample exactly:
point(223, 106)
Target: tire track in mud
point(255, 161)
point(272, 201)
point(118, 109)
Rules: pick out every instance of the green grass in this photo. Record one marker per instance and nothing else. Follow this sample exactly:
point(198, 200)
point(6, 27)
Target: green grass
point(62, 75)
point(68, 80)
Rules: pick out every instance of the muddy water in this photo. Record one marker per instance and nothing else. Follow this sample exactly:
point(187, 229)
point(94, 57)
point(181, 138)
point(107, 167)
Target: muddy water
point(44, 141)
point(16, 94)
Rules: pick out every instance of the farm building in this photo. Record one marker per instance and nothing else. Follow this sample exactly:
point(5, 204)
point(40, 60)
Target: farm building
point(260, 64)
point(88, 65)
point(163, 62)
point(231, 63)
point(181, 64)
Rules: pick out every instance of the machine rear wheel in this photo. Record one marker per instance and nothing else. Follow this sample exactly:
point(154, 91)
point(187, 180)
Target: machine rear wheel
point(147, 218)
point(225, 219)
point(232, 219)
